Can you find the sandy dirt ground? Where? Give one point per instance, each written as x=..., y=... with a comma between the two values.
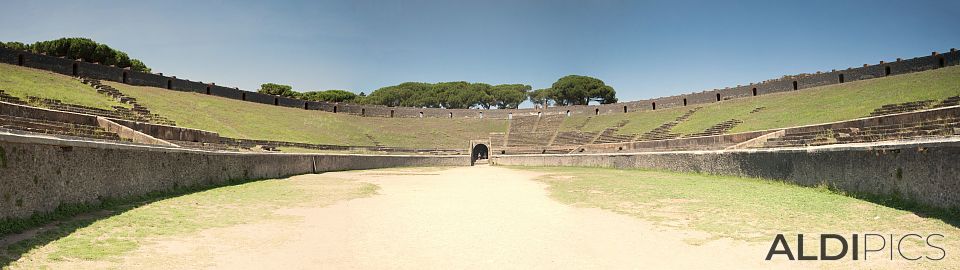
x=478, y=217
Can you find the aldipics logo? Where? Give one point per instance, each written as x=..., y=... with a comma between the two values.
x=863, y=247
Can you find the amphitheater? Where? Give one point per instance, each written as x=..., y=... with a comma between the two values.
x=104, y=167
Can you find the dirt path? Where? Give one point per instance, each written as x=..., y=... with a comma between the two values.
x=472, y=217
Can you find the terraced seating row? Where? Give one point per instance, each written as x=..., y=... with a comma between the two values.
x=56, y=128
x=902, y=107
x=523, y=124
x=550, y=123
x=717, y=129
x=573, y=138
x=928, y=128
x=663, y=131
x=950, y=101
x=497, y=139
x=609, y=135
x=529, y=139
x=10, y=99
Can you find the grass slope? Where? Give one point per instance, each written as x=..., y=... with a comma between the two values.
x=753, y=210
x=22, y=82
x=240, y=119
x=808, y=106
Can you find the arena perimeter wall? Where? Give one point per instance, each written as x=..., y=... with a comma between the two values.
x=925, y=173
x=37, y=175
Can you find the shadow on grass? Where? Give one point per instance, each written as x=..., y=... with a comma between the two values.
x=41, y=229
x=949, y=216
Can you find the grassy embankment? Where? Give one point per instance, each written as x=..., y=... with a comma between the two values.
x=22, y=82
x=808, y=106
x=240, y=119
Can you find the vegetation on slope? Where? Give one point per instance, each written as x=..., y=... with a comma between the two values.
x=22, y=82
x=241, y=119
x=808, y=106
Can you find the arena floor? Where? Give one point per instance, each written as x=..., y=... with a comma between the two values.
x=480, y=217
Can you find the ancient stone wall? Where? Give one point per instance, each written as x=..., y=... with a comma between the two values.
x=42, y=174
x=786, y=83
x=925, y=173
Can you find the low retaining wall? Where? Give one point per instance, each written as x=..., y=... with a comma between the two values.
x=40, y=174
x=926, y=173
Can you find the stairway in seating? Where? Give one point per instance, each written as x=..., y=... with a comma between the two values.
x=717, y=129
x=609, y=135
x=663, y=131
x=137, y=113
x=902, y=107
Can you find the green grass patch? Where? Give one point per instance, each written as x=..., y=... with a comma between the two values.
x=753, y=210
x=740, y=208
x=807, y=106
x=241, y=119
x=123, y=227
x=22, y=82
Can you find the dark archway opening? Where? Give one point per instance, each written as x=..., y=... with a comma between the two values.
x=334, y=109
x=169, y=84
x=363, y=111
x=305, y=106
x=718, y=96
x=596, y=111
x=75, y=71
x=276, y=101
x=243, y=96
x=624, y=109
x=943, y=62
x=653, y=105
x=794, y=86
x=684, y=102
x=479, y=152
x=391, y=113
x=124, y=79
x=841, y=78
x=886, y=71
x=20, y=60
x=208, y=89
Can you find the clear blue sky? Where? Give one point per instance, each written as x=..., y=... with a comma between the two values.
x=642, y=48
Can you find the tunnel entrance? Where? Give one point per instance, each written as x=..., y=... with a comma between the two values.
x=479, y=152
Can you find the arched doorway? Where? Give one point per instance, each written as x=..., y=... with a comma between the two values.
x=479, y=152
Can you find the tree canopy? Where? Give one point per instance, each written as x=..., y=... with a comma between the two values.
x=580, y=90
x=330, y=96
x=569, y=90
x=451, y=95
x=278, y=90
x=81, y=48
